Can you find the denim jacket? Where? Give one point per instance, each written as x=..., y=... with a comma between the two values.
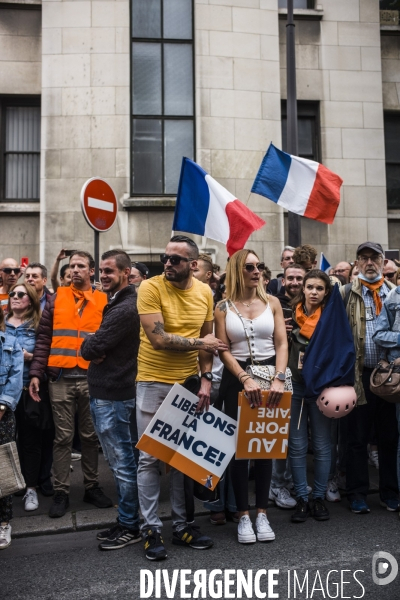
x=11, y=368
x=387, y=332
x=26, y=338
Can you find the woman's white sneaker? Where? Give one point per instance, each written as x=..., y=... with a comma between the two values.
x=31, y=500
x=5, y=535
x=246, y=533
x=264, y=529
x=332, y=493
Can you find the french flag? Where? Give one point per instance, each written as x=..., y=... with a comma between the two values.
x=303, y=186
x=205, y=207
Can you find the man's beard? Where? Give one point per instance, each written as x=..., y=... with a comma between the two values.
x=178, y=277
x=292, y=293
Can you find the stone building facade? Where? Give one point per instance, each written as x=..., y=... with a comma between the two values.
x=74, y=56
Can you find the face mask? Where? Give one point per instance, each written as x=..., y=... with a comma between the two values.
x=374, y=280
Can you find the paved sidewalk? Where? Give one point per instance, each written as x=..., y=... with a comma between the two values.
x=82, y=516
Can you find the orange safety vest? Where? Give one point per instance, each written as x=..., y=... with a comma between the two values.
x=70, y=329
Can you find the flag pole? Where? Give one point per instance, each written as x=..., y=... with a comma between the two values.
x=294, y=221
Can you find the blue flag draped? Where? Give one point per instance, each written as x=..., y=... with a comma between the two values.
x=330, y=356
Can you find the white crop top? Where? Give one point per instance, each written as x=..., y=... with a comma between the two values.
x=260, y=331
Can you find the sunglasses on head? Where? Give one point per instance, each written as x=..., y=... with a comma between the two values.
x=174, y=259
x=18, y=294
x=250, y=267
x=8, y=270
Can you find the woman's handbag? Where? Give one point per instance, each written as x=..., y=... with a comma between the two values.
x=11, y=479
x=264, y=375
x=385, y=380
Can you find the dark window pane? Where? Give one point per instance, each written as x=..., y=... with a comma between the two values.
x=296, y=4
x=393, y=185
x=147, y=158
x=178, y=143
x=178, y=19
x=306, y=135
x=392, y=138
x=146, y=18
x=305, y=131
x=23, y=128
x=22, y=176
x=22, y=171
x=178, y=82
x=146, y=65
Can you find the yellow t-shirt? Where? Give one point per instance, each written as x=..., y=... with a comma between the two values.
x=184, y=313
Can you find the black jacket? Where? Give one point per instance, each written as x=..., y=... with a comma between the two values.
x=118, y=339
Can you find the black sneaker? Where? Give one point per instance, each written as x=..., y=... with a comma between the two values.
x=319, y=510
x=192, y=536
x=95, y=495
x=154, y=545
x=121, y=537
x=60, y=505
x=105, y=535
x=301, y=512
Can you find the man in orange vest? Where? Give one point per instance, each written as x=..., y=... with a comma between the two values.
x=72, y=314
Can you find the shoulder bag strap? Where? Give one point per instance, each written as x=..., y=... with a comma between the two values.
x=230, y=303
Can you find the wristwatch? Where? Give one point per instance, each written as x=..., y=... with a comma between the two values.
x=208, y=375
x=281, y=376
x=3, y=407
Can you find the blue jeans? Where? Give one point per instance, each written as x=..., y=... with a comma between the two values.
x=226, y=500
x=298, y=444
x=111, y=420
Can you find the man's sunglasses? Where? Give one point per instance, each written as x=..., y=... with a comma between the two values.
x=250, y=267
x=18, y=294
x=174, y=259
x=8, y=271
x=390, y=275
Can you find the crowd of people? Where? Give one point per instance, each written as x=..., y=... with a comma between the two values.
x=87, y=363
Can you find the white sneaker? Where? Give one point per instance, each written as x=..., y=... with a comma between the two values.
x=246, y=533
x=263, y=528
x=5, y=535
x=282, y=497
x=332, y=492
x=76, y=456
x=373, y=458
x=31, y=500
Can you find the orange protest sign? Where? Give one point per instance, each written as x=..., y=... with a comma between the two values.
x=263, y=432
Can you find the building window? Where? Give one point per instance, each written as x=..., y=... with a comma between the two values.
x=20, y=148
x=297, y=3
x=392, y=156
x=308, y=129
x=162, y=94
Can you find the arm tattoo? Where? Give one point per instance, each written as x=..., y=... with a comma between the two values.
x=176, y=342
x=222, y=306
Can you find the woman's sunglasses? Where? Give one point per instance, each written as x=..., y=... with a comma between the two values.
x=18, y=294
x=250, y=267
x=174, y=259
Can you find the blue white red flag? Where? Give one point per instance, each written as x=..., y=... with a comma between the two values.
x=324, y=265
x=303, y=186
x=205, y=207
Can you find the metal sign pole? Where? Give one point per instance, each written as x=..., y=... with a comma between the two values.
x=294, y=221
x=96, y=254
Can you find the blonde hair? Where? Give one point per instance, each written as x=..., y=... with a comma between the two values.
x=32, y=313
x=234, y=277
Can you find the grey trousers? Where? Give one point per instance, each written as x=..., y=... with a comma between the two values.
x=149, y=397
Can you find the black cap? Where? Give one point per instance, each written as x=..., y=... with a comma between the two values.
x=141, y=267
x=374, y=246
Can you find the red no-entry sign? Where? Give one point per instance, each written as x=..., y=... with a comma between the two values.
x=99, y=204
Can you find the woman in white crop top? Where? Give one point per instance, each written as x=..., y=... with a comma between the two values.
x=266, y=339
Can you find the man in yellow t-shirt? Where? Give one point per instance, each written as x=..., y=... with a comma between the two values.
x=176, y=315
